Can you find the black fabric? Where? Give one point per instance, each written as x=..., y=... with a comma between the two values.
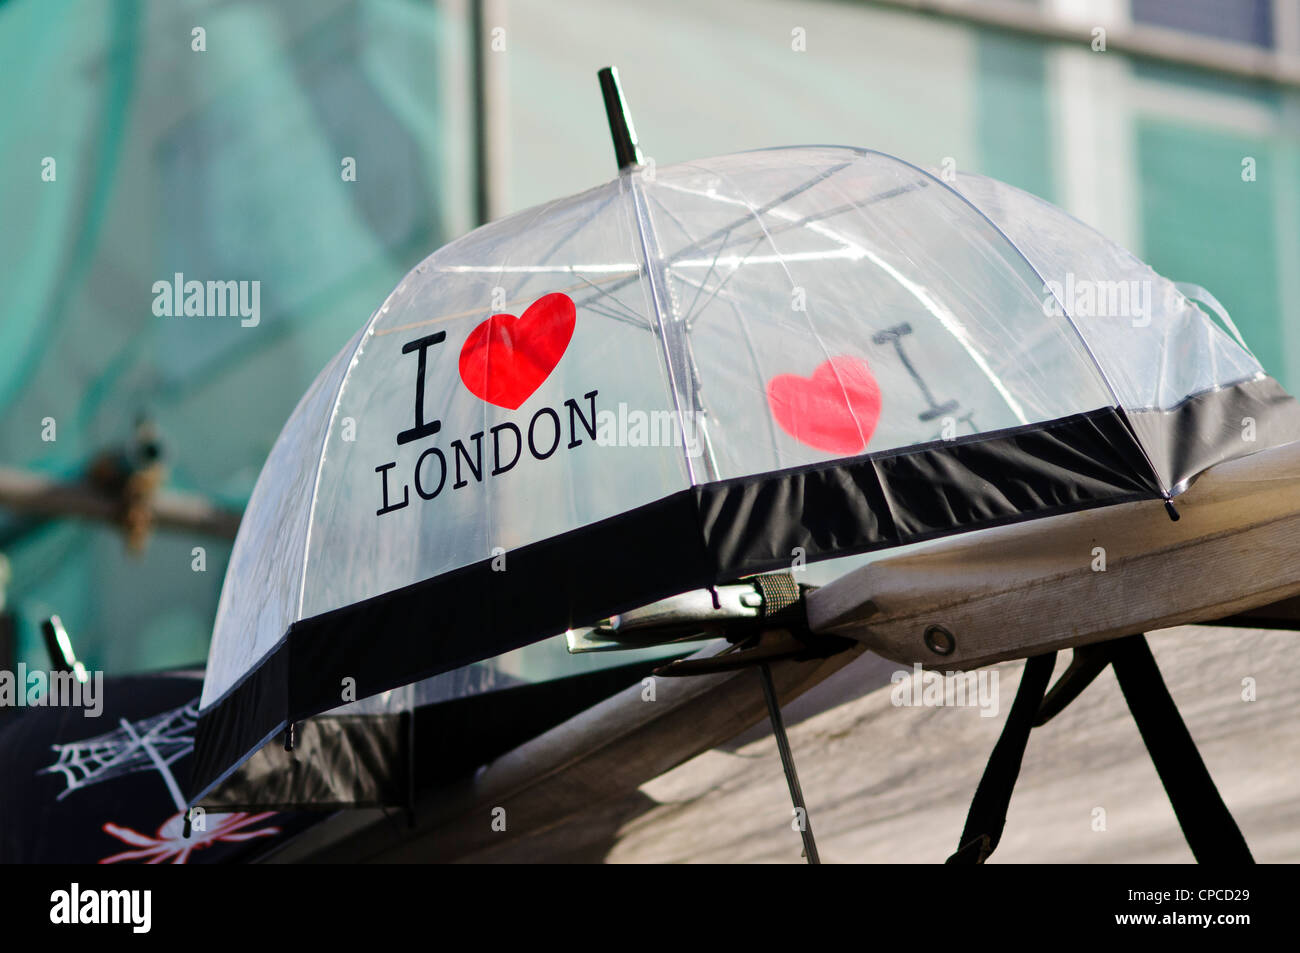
x=250, y=715
x=455, y=737
x=337, y=761
x=108, y=802
x=366, y=760
x=876, y=501
x=1209, y=428
x=1207, y=824
x=988, y=810
x=702, y=537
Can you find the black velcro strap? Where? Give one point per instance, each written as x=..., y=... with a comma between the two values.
x=1210, y=830
x=988, y=809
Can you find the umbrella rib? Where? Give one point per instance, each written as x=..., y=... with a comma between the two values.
x=758, y=369
x=667, y=211
x=756, y=213
x=666, y=319
x=632, y=317
x=721, y=284
x=949, y=321
x=397, y=329
x=579, y=227
x=612, y=315
x=335, y=400
x=753, y=212
x=781, y=200
x=686, y=317
x=691, y=311
x=677, y=258
x=1082, y=339
x=806, y=220
x=782, y=228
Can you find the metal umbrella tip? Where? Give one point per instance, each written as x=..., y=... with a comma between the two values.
x=626, y=150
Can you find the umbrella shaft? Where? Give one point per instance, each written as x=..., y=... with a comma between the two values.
x=787, y=762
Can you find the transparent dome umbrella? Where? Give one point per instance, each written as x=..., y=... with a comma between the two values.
x=688, y=375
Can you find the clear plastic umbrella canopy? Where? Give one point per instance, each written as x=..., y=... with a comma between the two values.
x=690, y=374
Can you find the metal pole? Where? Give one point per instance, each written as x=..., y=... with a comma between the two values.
x=626, y=150
x=488, y=102
x=410, y=765
x=678, y=350
x=478, y=68
x=787, y=762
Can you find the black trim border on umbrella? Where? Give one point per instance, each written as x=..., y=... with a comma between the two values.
x=713, y=534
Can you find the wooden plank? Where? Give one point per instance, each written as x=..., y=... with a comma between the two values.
x=40, y=495
x=1020, y=590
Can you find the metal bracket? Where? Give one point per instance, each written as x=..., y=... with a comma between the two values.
x=770, y=645
x=736, y=612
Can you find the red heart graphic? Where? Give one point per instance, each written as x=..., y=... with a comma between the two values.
x=835, y=410
x=505, y=359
